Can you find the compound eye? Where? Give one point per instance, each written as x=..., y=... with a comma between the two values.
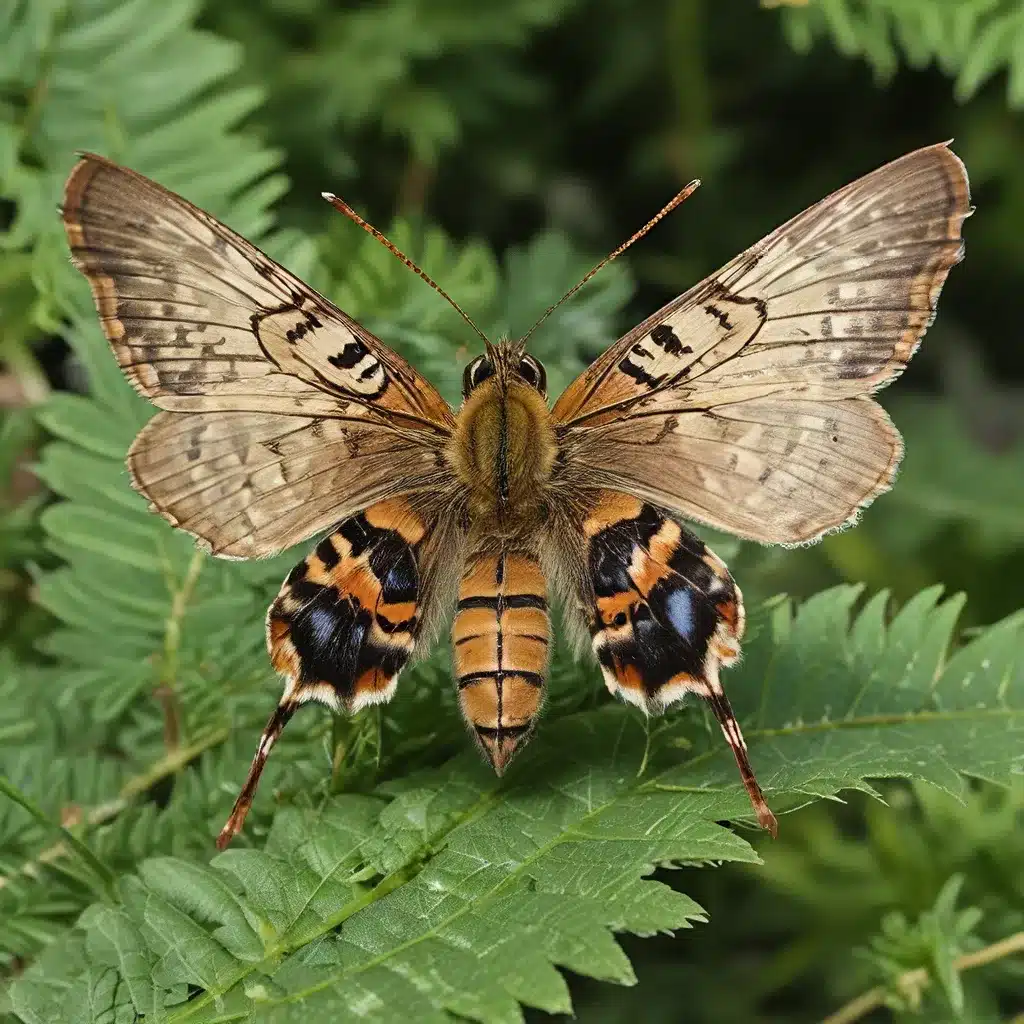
x=533, y=373
x=476, y=373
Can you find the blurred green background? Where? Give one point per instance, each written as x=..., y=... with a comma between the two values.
x=509, y=146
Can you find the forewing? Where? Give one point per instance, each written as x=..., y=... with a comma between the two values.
x=745, y=402
x=664, y=615
x=350, y=616
x=201, y=320
x=282, y=415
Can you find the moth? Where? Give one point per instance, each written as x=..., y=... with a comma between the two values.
x=745, y=404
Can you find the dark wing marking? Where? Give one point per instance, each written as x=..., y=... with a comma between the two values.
x=200, y=320
x=282, y=415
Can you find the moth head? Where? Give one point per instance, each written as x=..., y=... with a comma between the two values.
x=507, y=362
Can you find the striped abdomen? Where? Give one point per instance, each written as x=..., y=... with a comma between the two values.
x=500, y=639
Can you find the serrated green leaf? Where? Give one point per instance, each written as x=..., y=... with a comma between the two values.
x=541, y=868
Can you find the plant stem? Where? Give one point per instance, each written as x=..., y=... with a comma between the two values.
x=165, y=691
x=920, y=978
x=103, y=874
x=647, y=747
x=339, y=747
x=172, y=763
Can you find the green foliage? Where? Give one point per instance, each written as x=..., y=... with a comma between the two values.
x=390, y=67
x=969, y=40
x=933, y=942
x=385, y=873
x=449, y=890
x=947, y=477
x=911, y=845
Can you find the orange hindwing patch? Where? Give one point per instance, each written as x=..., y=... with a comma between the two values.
x=344, y=624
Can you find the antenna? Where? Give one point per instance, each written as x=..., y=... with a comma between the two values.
x=342, y=207
x=666, y=209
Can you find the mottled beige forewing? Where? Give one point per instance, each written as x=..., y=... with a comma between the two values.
x=744, y=403
x=282, y=414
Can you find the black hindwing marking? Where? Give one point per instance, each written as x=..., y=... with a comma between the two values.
x=663, y=628
x=343, y=614
x=327, y=553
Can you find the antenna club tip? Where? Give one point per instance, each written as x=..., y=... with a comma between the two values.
x=329, y=196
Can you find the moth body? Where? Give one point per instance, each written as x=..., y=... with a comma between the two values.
x=500, y=639
x=745, y=403
x=503, y=451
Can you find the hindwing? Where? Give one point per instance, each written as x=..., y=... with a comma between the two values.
x=347, y=617
x=664, y=615
x=347, y=620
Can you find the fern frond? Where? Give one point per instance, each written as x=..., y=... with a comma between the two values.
x=969, y=40
x=391, y=68
x=453, y=892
